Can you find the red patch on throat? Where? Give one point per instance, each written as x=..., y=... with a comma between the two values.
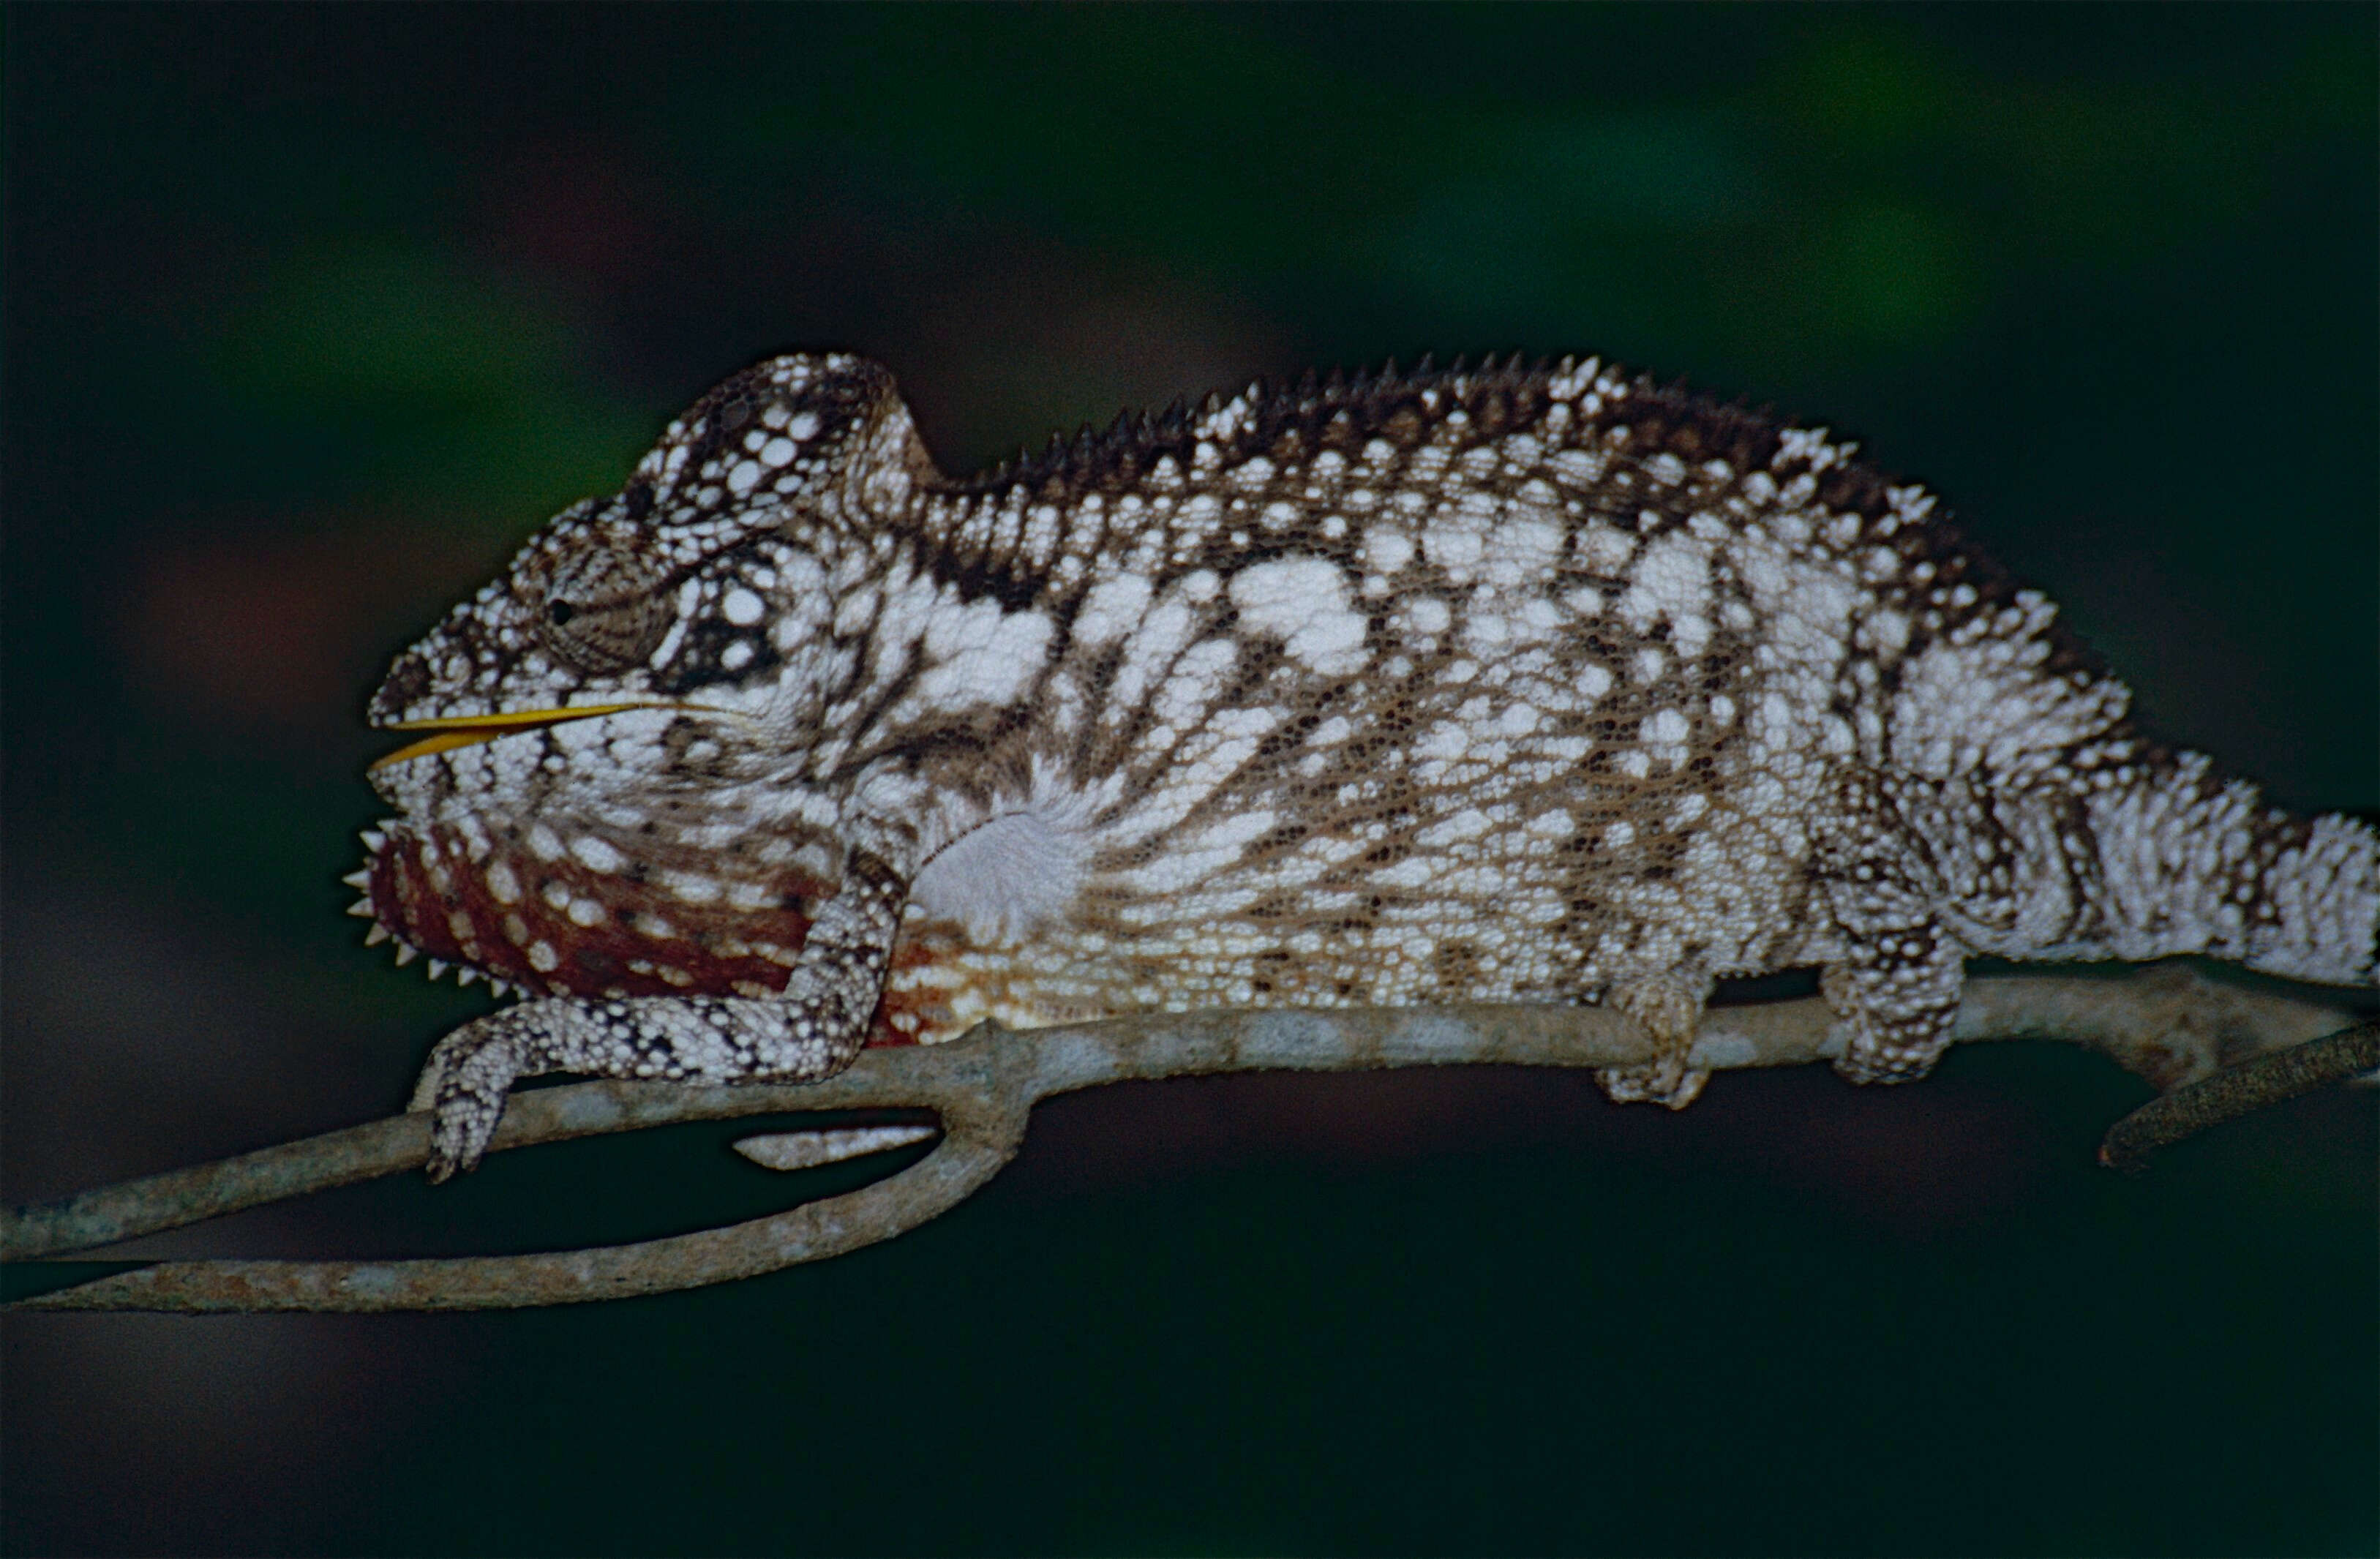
x=558, y=927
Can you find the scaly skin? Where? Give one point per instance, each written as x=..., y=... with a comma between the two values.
x=1518, y=683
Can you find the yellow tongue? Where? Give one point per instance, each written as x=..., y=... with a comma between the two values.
x=466, y=731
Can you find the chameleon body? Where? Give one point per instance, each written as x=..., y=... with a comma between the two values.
x=1520, y=683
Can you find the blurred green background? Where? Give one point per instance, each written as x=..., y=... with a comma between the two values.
x=312, y=313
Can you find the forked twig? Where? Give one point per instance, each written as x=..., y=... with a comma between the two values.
x=2167, y=1023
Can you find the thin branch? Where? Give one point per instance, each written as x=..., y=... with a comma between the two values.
x=2228, y=1095
x=2167, y=1023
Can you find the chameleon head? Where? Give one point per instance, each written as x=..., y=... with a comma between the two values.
x=610, y=782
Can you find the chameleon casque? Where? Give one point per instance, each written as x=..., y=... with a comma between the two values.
x=1535, y=683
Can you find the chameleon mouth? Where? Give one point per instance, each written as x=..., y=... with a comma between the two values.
x=469, y=730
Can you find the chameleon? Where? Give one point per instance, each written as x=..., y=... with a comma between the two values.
x=1513, y=681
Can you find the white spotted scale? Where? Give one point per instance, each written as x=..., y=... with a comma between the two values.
x=1537, y=683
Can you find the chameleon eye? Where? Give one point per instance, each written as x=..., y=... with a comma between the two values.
x=605, y=611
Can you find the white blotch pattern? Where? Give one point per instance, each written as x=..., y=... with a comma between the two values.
x=1542, y=684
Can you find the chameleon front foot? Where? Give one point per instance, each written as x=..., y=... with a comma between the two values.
x=468, y=1076
x=689, y=1040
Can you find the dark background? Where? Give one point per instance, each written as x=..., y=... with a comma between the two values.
x=311, y=314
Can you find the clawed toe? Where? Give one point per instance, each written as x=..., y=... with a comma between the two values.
x=1665, y=1082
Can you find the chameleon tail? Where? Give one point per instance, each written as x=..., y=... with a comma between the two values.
x=2192, y=862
